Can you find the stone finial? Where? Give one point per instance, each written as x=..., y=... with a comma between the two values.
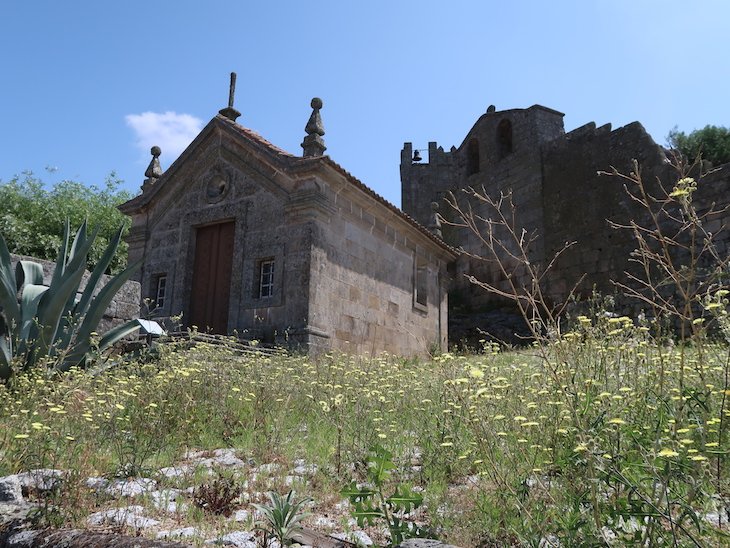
x=154, y=170
x=313, y=144
x=435, y=225
x=230, y=112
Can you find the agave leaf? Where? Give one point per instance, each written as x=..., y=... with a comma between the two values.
x=6, y=349
x=80, y=240
x=53, y=303
x=47, y=321
x=96, y=312
x=8, y=289
x=82, y=347
x=78, y=309
x=60, y=269
x=98, y=272
x=29, y=300
x=100, y=303
x=28, y=272
x=118, y=333
x=79, y=252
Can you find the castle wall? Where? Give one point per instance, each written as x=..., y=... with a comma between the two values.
x=582, y=202
x=560, y=199
x=502, y=153
x=579, y=203
x=713, y=194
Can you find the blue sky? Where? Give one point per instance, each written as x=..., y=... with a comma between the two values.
x=88, y=86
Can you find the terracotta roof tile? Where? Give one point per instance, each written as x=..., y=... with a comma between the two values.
x=254, y=136
x=398, y=211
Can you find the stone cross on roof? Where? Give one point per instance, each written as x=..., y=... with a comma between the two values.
x=230, y=112
x=313, y=144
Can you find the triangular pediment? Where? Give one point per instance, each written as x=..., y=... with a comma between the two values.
x=223, y=153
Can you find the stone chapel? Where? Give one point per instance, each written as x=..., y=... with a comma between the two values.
x=240, y=236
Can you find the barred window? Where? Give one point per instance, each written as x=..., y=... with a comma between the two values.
x=266, y=279
x=160, y=290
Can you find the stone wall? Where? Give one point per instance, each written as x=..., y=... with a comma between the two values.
x=124, y=305
x=364, y=267
x=583, y=204
x=579, y=202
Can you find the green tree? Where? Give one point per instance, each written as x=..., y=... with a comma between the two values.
x=33, y=217
x=712, y=142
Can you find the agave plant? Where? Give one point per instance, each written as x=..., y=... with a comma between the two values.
x=39, y=322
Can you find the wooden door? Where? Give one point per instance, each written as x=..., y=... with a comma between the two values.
x=211, y=287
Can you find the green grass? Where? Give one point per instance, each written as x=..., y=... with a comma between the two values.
x=571, y=439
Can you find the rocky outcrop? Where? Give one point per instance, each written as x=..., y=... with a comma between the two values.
x=153, y=510
x=16, y=536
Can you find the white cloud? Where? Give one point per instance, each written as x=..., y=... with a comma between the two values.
x=171, y=131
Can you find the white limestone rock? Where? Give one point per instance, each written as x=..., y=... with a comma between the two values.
x=241, y=515
x=97, y=483
x=22, y=538
x=228, y=461
x=357, y=537
x=323, y=522
x=12, y=511
x=301, y=468
x=167, y=500
x=11, y=490
x=176, y=471
x=267, y=469
x=424, y=543
x=41, y=479
x=239, y=539
x=184, y=532
x=132, y=516
x=131, y=487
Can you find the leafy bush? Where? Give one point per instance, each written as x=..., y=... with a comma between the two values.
x=219, y=496
x=371, y=504
x=49, y=322
x=712, y=142
x=32, y=218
